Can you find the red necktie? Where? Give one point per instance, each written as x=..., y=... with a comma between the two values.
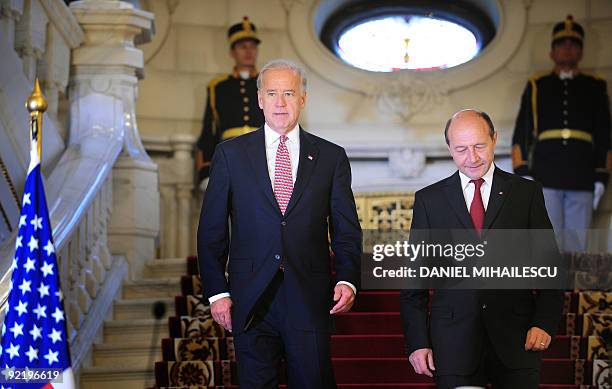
x=283, y=181
x=477, y=210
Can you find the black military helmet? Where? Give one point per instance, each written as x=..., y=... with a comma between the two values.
x=242, y=31
x=568, y=29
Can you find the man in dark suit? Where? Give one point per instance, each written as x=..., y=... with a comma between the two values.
x=472, y=337
x=285, y=191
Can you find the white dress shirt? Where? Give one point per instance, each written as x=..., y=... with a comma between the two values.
x=566, y=75
x=293, y=146
x=485, y=189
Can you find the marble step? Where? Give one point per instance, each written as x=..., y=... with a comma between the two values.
x=152, y=287
x=134, y=355
x=165, y=268
x=131, y=331
x=141, y=308
x=117, y=377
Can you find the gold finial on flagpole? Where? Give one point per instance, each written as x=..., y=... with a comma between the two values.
x=36, y=104
x=36, y=101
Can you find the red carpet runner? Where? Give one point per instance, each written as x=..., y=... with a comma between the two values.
x=368, y=347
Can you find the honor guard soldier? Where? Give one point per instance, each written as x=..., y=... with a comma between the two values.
x=562, y=136
x=231, y=107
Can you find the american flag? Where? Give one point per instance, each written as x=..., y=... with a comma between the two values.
x=34, y=329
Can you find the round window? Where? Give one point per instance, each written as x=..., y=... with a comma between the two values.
x=399, y=35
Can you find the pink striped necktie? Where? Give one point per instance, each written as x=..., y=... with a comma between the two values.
x=283, y=181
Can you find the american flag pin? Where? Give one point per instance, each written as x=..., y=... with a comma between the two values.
x=310, y=157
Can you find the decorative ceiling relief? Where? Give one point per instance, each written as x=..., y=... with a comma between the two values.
x=407, y=162
x=405, y=94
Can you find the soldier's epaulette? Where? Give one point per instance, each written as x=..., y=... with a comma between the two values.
x=539, y=75
x=212, y=96
x=213, y=83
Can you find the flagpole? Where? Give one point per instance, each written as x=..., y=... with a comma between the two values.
x=34, y=333
x=36, y=104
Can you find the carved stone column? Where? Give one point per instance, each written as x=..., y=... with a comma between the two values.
x=30, y=36
x=183, y=165
x=10, y=13
x=63, y=34
x=168, y=220
x=103, y=92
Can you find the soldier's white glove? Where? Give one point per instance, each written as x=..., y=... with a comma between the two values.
x=598, y=193
x=204, y=184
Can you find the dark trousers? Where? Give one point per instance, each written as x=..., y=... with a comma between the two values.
x=270, y=338
x=492, y=370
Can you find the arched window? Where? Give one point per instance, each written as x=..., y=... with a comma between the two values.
x=394, y=35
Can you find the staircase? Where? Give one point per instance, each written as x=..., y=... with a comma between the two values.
x=367, y=349
x=125, y=357
x=93, y=82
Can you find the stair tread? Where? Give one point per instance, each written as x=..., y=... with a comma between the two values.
x=342, y=359
x=124, y=322
x=123, y=345
x=116, y=369
x=149, y=300
x=372, y=313
x=166, y=261
x=368, y=336
x=154, y=281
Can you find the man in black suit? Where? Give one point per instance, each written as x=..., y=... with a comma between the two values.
x=285, y=191
x=472, y=337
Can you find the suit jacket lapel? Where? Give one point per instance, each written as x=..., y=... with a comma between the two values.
x=256, y=151
x=306, y=164
x=454, y=194
x=499, y=192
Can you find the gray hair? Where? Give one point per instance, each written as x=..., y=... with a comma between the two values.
x=282, y=64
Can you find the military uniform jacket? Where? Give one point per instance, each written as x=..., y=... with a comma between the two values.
x=231, y=110
x=562, y=132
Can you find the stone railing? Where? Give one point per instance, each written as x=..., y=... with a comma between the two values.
x=96, y=165
x=179, y=198
x=36, y=37
x=89, y=274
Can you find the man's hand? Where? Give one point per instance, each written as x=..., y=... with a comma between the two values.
x=598, y=193
x=221, y=311
x=422, y=361
x=345, y=298
x=537, y=339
